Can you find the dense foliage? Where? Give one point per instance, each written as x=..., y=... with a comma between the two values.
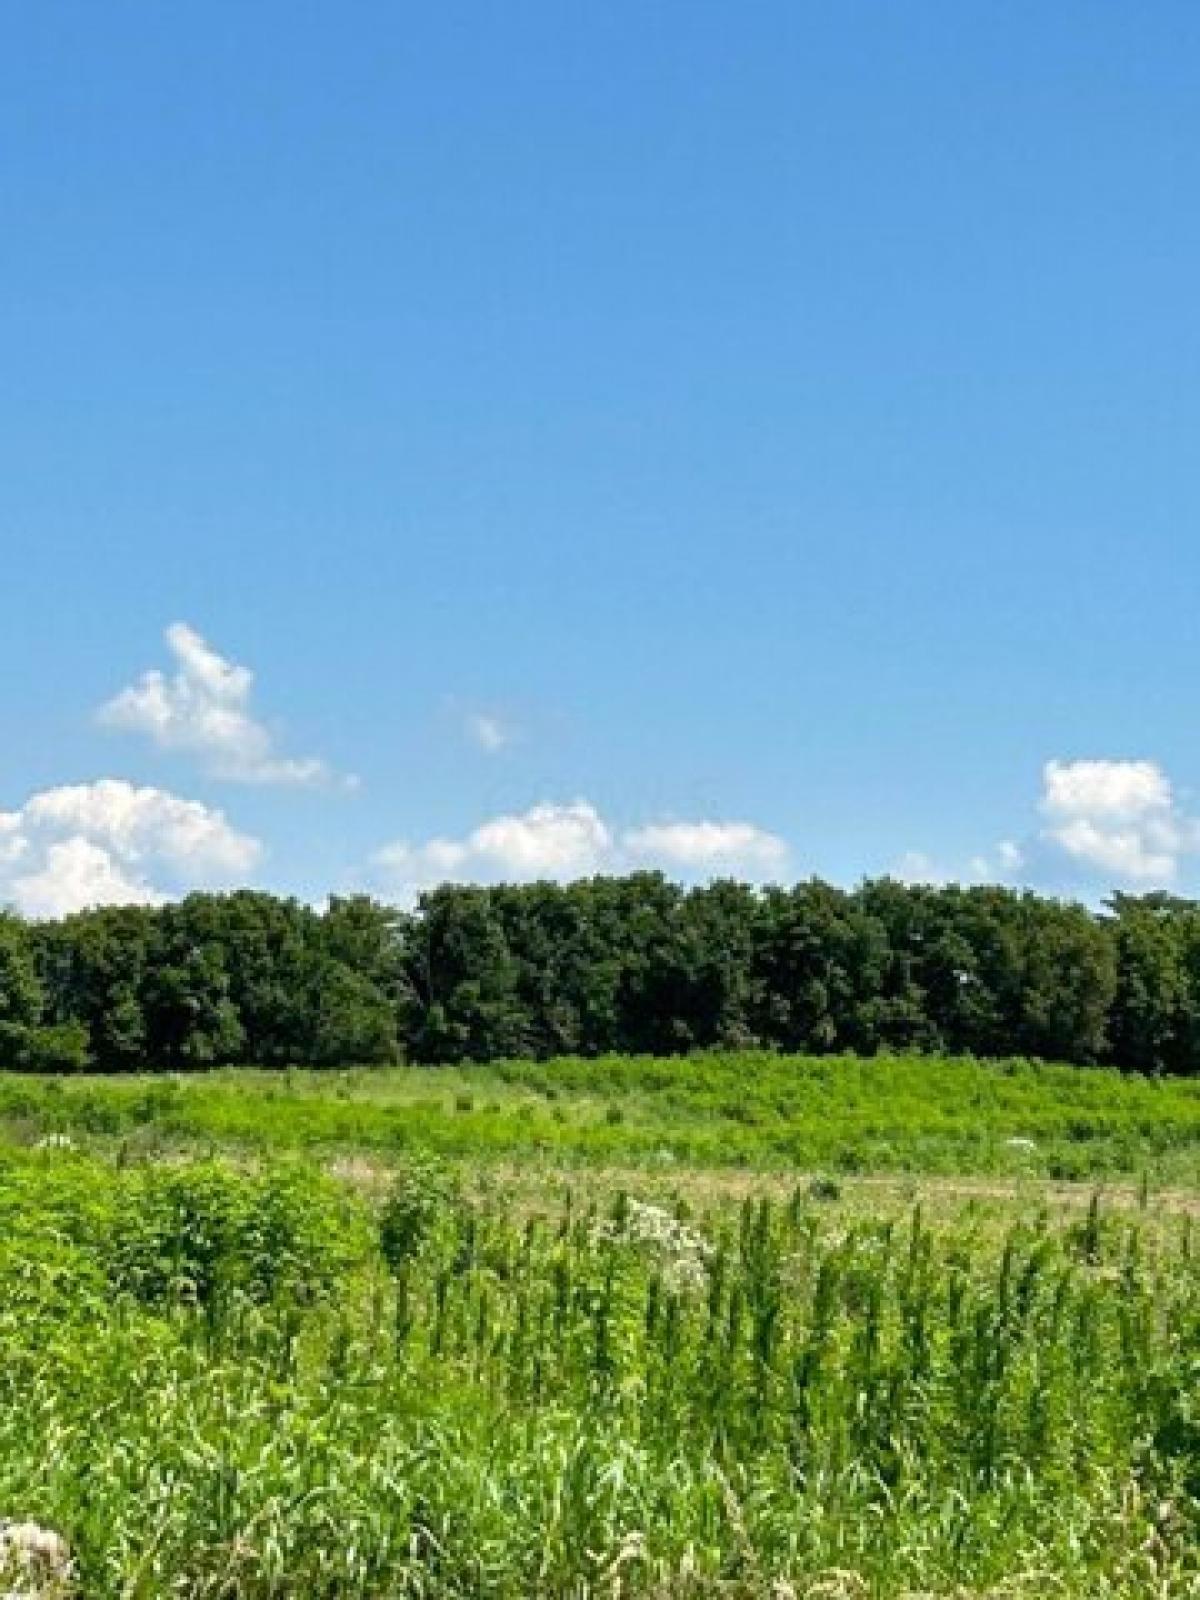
x=246, y=1385
x=633, y=964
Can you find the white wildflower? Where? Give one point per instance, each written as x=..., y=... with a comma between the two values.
x=35, y=1558
x=680, y=1252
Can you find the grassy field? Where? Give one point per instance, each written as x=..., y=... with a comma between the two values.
x=733, y=1327
x=752, y=1111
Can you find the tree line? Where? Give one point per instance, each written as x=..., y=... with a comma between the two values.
x=625, y=964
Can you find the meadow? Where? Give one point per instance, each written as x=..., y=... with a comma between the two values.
x=737, y=1326
x=752, y=1110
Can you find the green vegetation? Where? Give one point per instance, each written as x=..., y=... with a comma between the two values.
x=757, y=1111
x=624, y=1328
x=258, y=1381
x=631, y=965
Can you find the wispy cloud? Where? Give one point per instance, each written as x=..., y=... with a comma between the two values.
x=489, y=731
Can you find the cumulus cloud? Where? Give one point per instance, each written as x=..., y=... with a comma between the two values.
x=1103, y=822
x=13, y=843
x=548, y=841
x=1135, y=854
x=136, y=823
x=203, y=708
x=707, y=846
x=74, y=875
x=1117, y=817
x=110, y=842
x=574, y=841
x=1118, y=790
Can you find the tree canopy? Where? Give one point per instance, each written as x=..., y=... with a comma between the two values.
x=633, y=963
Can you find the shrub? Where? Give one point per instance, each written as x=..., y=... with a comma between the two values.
x=201, y=1232
x=62, y=1047
x=423, y=1192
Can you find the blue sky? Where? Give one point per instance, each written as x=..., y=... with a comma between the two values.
x=752, y=438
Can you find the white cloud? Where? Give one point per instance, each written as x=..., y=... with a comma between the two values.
x=136, y=823
x=1117, y=817
x=551, y=841
x=110, y=842
x=574, y=841
x=203, y=708
x=1000, y=866
x=13, y=843
x=490, y=732
x=1133, y=854
x=547, y=841
x=1004, y=863
x=1120, y=790
x=74, y=875
x=1118, y=822
x=732, y=846
x=1009, y=856
x=915, y=867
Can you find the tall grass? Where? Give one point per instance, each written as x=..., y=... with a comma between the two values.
x=226, y=1383
x=897, y=1114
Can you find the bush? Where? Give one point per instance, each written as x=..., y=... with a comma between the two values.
x=423, y=1192
x=200, y=1232
x=60, y=1048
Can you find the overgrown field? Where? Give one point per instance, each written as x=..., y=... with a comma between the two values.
x=614, y=1329
x=261, y=1381
x=753, y=1110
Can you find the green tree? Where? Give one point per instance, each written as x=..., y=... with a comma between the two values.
x=464, y=980
x=20, y=989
